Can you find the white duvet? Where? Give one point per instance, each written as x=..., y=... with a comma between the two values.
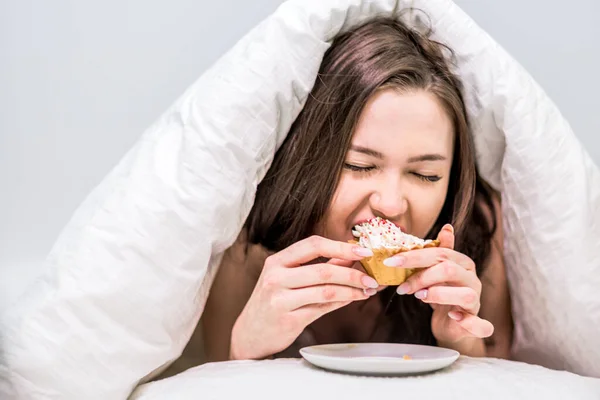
x=127, y=280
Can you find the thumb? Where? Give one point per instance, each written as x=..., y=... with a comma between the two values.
x=446, y=237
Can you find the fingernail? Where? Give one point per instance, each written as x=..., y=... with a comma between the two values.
x=394, y=261
x=403, y=289
x=421, y=294
x=362, y=251
x=455, y=315
x=450, y=228
x=369, y=282
x=369, y=292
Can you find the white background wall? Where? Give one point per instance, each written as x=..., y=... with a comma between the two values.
x=81, y=80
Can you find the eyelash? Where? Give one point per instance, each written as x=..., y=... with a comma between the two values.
x=428, y=178
x=356, y=168
x=425, y=178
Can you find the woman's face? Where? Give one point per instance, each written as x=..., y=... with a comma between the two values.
x=397, y=167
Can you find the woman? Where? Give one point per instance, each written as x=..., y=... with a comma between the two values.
x=384, y=133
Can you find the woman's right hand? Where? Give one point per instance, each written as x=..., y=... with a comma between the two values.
x=290, y=295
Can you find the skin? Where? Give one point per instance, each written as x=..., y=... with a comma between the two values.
x=397, y=168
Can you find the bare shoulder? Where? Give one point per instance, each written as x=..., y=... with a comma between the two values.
x=495, y=296
x=233, y=284
x=495, y=262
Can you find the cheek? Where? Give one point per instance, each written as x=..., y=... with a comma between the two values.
x=425, y=209
x=344, y=205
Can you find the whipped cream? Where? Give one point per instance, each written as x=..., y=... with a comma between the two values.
x=378, y=232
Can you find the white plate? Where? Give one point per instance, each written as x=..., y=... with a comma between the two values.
x=379, y=358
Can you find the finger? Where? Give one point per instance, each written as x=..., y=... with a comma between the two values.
x=382, y=287
x=446, y=236
x=447, y=272
x=428, y=257
x=297, y=298
x=321, y=274
x=316, y=246
x=341, y=263
x=463, y=297
x=310, y=313
x=476, y=326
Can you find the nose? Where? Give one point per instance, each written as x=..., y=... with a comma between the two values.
x=388, y=200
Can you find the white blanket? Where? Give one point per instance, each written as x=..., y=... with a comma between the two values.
x=293, y=379
x=127, y=281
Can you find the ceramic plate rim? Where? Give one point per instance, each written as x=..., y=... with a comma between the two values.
x=365, y=361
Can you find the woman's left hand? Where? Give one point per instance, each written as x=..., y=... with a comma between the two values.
x=448, y=282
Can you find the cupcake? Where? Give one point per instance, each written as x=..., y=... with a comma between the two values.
x=385, y=240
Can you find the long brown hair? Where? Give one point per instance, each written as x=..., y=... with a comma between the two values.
x=298, y=188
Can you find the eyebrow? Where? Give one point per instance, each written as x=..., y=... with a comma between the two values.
x=427, y=157
x=367, y=151
x=415, y=159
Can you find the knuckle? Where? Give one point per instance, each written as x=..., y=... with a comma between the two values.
x=478, y=286
x=324, y=273
x=314, y=242
x=276, y=301
x=441, y=254
x=328, y=293
x=355, y=276
x=471, y=264
x=341, y=248
x=450, y=270
x=470, y=298
x=270, y=281
x=419, y=279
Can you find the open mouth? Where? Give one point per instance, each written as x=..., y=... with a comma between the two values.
x=365, y=220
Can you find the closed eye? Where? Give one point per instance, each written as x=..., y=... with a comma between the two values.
x=357, y=168
x=427, y=178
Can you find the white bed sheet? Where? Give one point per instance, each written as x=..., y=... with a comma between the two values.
x=289, y=379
